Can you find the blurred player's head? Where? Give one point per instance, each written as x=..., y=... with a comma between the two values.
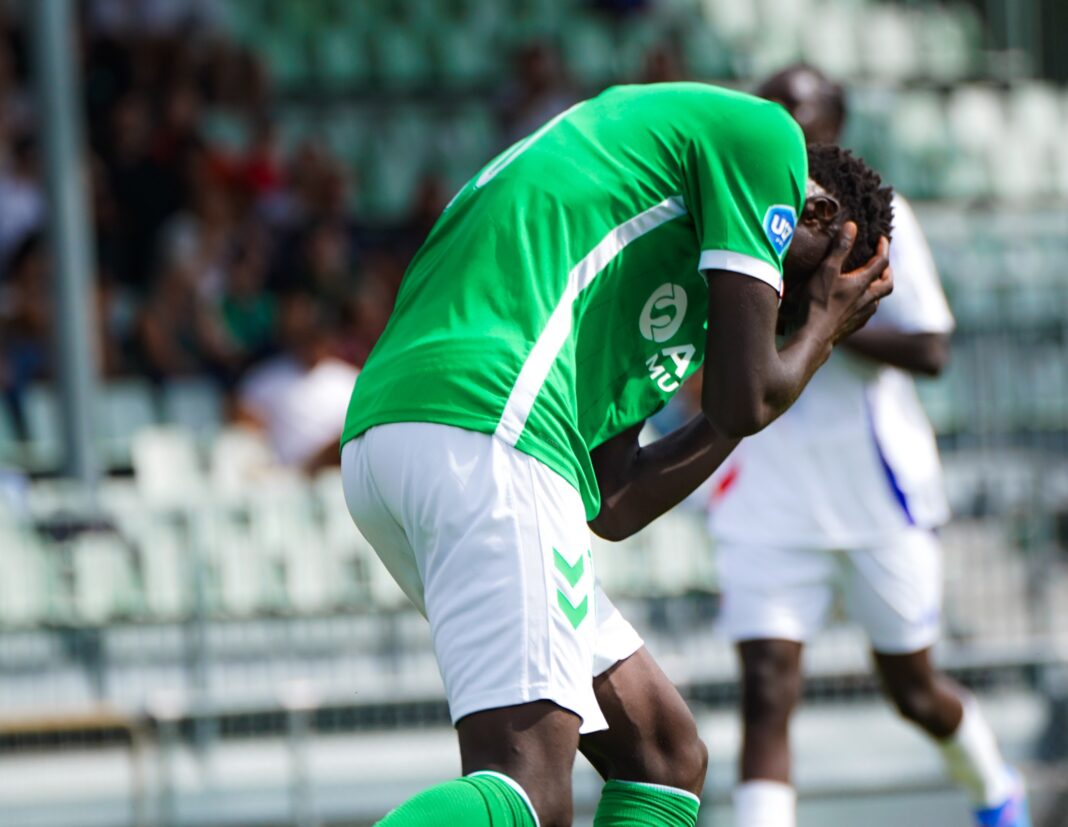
x=841, y=188
x=815, y=101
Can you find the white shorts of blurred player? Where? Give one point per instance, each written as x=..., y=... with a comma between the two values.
x=493, y=548
x=893, y=591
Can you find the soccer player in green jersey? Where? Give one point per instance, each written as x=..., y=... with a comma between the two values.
x=562, y=298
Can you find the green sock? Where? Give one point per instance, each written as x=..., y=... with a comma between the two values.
x=633, y=804
x=482, y=799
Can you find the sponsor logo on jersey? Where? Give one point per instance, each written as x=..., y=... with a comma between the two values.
x=663, y=313
x=779, y=224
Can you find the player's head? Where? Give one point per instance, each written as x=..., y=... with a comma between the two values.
x=816, y=102
x=841, y=188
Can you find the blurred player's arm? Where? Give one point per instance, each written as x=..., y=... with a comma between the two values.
x=747, y=381
x=924, y=353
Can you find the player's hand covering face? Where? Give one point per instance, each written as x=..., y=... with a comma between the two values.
x=845, y=301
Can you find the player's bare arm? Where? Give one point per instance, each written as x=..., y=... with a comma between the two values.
x=639, y=483
x=756, y=383
x=747, y=381
x=922, y=353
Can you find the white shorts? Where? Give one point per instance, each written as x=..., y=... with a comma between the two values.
x=893, y=591
x=493, y=548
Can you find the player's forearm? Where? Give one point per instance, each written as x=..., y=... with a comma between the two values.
x=645, y=482
x=926, y=353
x=742, y=402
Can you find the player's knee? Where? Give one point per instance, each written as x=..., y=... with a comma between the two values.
x=672, y=754
x=771, y=690
x=682, y=759
x=916, y=701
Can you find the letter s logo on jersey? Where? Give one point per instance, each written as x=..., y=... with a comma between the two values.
x=779, y=224
x=663, y=313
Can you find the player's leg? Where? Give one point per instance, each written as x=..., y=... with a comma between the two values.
x=490, y=547
x=773, y=600
x=895, y=591
x=651, y=757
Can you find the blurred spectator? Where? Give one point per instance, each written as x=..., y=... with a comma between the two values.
x=25, y=323
x=21, y=198
x=539, y=92
x=662, y=64
x=299, y=398
x=179, y=331
x=248, y=311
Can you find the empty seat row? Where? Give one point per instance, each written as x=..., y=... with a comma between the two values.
x=123, y=407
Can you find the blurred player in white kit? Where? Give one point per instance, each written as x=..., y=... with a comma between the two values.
x=844, y=491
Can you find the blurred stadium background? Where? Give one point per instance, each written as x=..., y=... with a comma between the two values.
x=198, y=636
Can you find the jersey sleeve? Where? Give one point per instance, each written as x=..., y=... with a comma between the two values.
x=917, y=304
x=744, y=185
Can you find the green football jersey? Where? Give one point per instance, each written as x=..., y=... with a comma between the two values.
x=559, y=299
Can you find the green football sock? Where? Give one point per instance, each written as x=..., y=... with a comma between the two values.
x=634, y=804
x=482, y=799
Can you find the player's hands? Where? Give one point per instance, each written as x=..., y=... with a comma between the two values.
x=841, y=303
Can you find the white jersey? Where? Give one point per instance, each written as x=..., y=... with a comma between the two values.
x=854, y=460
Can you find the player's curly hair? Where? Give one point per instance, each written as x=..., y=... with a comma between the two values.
x=859, y=190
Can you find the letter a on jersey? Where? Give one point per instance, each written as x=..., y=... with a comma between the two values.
x=779, y=224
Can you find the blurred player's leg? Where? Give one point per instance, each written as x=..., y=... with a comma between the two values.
x=771, y=689
x=650, y=756
x=896, y=593
x=774, y=599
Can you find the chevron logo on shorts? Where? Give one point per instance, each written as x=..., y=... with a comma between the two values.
x=572, y=574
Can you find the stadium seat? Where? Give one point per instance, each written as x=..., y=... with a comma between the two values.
x=25, y=590
x=735, y=20
x=166, y=467
x=45, y=447
x=194, y=404
x=589, y=51
x=239, y=457
x=287, y=54
x=706, y=54
x=124, y=407
x=949, y=42
x=464, y=58
x=400, y=58
x=104, y=584
x=164, y=566
x=886, y=37
x=832, y=25
x=11, y=449
x=342, y=60
x=976, y=116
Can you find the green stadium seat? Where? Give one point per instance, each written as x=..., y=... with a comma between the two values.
x=41, y=408
x=837, y=26
x=104, y=582
x=239, y=457
x=11, y=449
x=976, y=116
x=195, y=404
x=166, y=467
x=464, y=58
x=886, y=36
x=343, y=60
x=400, y=58
x=736, y=21
x=124, y=407
x=24, y=580
x=589, y=52
x=288, y=58
x=706, y=54
x=949, y=43
x=389, y=175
